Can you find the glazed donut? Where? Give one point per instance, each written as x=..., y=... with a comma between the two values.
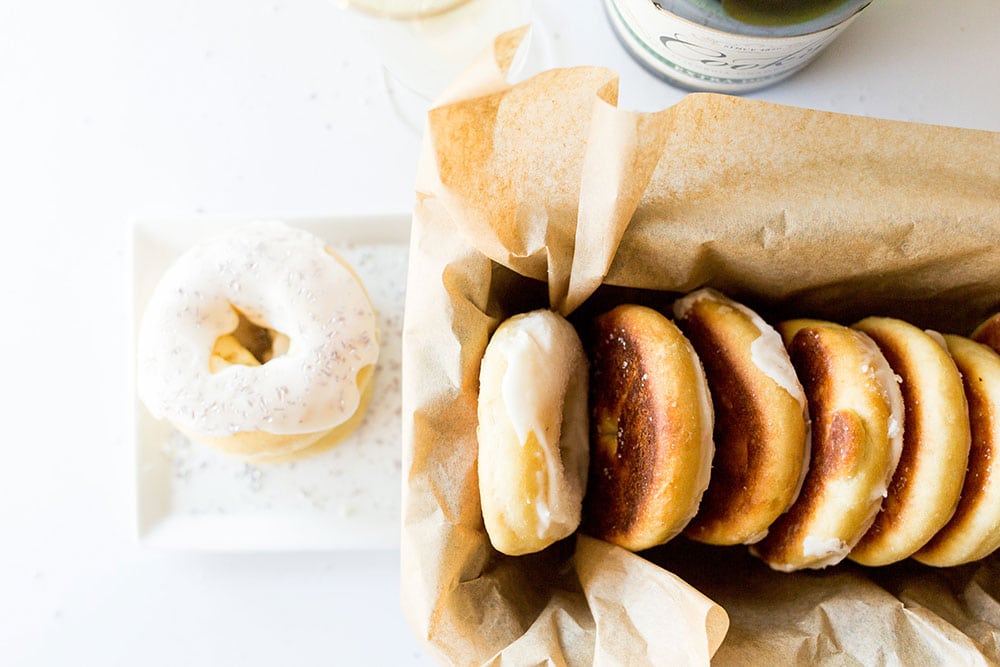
x=857, y=427
x=532, y=432
x=260, y=343
x=973, y=532
x=928, y=481
x=761, y=419
x=651, y=429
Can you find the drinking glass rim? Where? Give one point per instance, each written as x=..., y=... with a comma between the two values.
x=379, y=9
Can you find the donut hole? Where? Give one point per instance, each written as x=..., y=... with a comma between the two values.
x=249, y=344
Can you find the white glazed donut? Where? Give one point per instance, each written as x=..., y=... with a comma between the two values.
x=533, y=442
x=280, y=282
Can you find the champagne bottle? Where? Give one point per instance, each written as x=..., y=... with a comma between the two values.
x=728, y=46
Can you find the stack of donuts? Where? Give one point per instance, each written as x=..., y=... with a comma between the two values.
x=809, y=441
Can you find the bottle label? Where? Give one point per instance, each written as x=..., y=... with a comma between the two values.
x=702, y=58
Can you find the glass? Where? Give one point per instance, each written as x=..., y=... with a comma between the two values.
x=425, y=44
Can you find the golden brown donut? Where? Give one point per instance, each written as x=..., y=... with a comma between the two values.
x=651, y=429
x=928, y=481
x=988, y=333
x=974, y=530
x=761, y=420
x=857, y=426
x=533, y=447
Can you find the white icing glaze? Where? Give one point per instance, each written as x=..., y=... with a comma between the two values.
x=767, y=353
x=534, y=376
x=278, y=277
x=826, y=550
x=527, y=379
x=683, y=306
x=544, y=516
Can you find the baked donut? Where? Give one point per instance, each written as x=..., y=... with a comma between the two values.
x=532, y=432
x=857, y=426
x=973, y=532
x=650, y=429
x=261, y=343
x=925, y=488
x=988, y=333
x=761, y=420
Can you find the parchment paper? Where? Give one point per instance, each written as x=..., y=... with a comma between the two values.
x=544, y=193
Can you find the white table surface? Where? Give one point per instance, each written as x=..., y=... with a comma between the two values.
x=118, y=109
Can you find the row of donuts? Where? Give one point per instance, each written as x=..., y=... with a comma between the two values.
x=809, y=441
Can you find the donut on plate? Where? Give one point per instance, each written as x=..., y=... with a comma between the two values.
x=857, y=426
x=761, y=419
x=973, y=532
x=650, y=426
x=928, y=481
x=532, y=432
x=261, y=343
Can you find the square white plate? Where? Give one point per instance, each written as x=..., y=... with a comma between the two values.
x=348, y=497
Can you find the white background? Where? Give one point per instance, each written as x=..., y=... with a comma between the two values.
x=117, y=109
